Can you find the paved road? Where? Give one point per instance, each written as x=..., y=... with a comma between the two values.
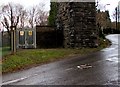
x=101, y=69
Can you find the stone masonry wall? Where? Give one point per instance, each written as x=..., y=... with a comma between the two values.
x=78, y=21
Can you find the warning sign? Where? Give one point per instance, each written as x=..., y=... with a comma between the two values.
x=30, y=33
x=21, y=33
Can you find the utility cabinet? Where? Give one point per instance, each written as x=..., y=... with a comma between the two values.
x=26, y=38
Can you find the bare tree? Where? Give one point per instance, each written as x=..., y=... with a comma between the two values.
x=16, y=15
x=23, y=18
x=116, y=17
x=41, y=18
x=10, y=15
x=116, y=13
x=31, y=16
x=42, y=15
x=37, y=15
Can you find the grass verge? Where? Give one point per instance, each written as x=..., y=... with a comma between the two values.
x=5, y=51
x=28, y=58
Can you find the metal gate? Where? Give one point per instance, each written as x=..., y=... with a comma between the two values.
x=26, y=38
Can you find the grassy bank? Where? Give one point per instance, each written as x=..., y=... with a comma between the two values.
x=28, y=58
x=5, y=51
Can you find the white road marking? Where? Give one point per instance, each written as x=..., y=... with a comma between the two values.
x=17, y=80
x=69, y=69
x=13, y=81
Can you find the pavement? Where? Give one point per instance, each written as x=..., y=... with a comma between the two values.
x=99, y=68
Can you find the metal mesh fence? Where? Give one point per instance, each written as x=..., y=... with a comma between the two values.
x=5, y=43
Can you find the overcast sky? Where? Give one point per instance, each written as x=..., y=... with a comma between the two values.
x=28, y=3
x=111, y=7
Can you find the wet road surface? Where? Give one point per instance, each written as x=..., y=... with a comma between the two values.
x=100, y=68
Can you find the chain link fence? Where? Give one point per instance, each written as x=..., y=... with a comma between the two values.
x=5, y=43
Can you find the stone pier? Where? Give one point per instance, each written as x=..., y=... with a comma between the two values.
x=78, y=21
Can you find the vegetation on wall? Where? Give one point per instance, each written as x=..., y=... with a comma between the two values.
x=52, y=14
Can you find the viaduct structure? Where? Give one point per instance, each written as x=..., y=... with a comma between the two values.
x=78, y=22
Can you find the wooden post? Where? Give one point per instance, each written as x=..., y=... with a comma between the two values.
x=14, y=32
x=13, y=39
